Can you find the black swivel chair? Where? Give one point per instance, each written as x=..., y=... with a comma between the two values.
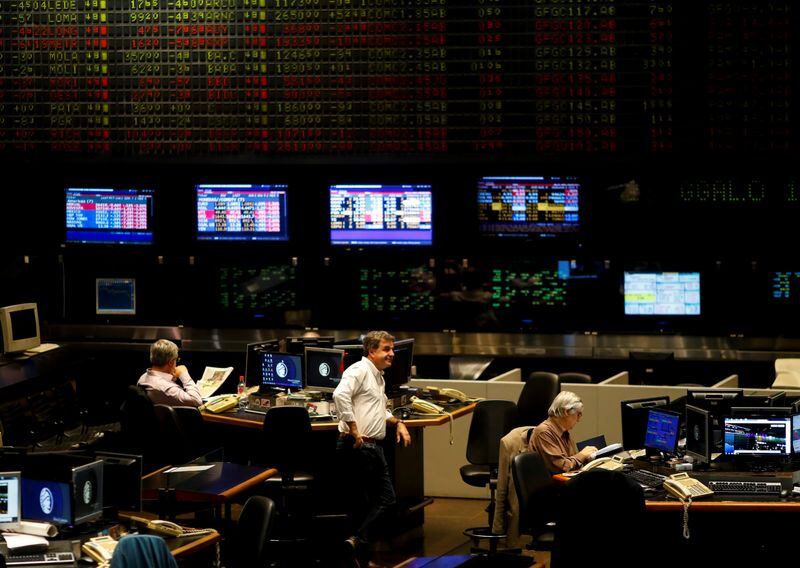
x=169, y=429
x=195, y=435
x=252, y=535
x=536, y=397
x=139, y=429
x=491, y=420
x=537, y=494
x=573, y=378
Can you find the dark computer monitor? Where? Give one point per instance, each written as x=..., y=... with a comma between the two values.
x=400, y=371
x=661, y=430
x=281, y=371
x=662, y=293
x=252, y=362
x=352, y=353
x=109, y=216
x=87, y=486
x=297, y=344
x=115, y=296
x=19, y=326
x=718, y=402
x=243, y=212
x=634, y=419
x=758, y=437
x=758, y=411
x=381, y=214
x=122, y=480
x=698, y=434
x=651, y=367
x=324, y=368
x=773, y=399
x=10, y=499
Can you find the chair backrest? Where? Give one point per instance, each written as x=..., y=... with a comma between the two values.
x=600, y=509
x=174, y=441
x=491, y=420
x=193, y=430
x=137, y=550
x=468, y=368
x=536, y=492
x=255, y=526
x=286, y=437
x=787, y=374
x=137, y=414
x=536, y=397
x=572, y=378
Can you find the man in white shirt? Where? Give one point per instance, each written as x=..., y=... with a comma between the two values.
x=165, y=381
x=361, y=403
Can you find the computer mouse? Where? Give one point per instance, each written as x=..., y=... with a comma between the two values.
x=785, y=493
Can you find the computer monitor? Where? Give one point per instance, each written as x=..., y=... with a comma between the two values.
x=297, y=344
x=252, y=362
x=227, y=212
x=47, y=500
x=324, y=368
x=718, y=403
x=662, y=293
x=381, y=214
x=10, y=500
x=634, y=419
x=796, y=433
x=651, y=367
x=115, y=296
x=280, y=370
x=758, y=437
x=19, y=325
x=698, y=434
x=769, y=400
x=528, y=206
x=87, y=487
x=352, y=353
x=122, y=480
x=761, y=411
x=109, y=216
x=400, y=371
x=661, y=430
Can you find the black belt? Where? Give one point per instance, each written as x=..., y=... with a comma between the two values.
x=365, y=439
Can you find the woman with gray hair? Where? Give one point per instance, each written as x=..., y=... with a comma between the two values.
x=551, y=438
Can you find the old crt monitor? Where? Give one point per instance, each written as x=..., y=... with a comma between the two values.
x=661, y=431
x=19, y=325
x=634, y=419
x=381, y=214
x=324, y=368
x=227, y=212
x=115, y=296
x=297, y=344
x=698, y=434
x=10, y=500
x=109, y=216
x=758, y=437
x=280, y=371
x=400, y=371
x=528, y=206
x=662, y=293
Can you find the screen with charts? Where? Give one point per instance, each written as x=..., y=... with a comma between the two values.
x=280, y=370
x=662, y=293
x=9, y=499
x=109, y=216
x=757, y=436
x=661, y=432
x=115, y=296
x=523, y=206
x=381, y=214
x=242, y=213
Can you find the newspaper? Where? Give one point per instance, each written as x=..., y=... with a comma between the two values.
x=213, y=377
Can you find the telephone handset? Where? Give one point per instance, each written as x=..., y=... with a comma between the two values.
x=168, y=528
x=223, y=403
x=681, y=486
x=612, y=463
x=425, y=406
x=447, y=393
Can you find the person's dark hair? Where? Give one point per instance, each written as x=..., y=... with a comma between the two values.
x=373, y=339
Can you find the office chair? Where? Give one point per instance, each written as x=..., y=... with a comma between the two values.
x=137, y=550
x=537, y=494
x=491, y=420
x=139, y=428
x=253, y=532
x=170, y=431
x=536, y=397
x=468, y=368
x=573, y=378
x=600, y=509
x=194, y=434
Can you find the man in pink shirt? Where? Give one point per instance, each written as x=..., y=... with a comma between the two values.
x=165, y=381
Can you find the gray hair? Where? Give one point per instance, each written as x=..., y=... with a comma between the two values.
x=373, y=339
x=564, y=404
x=162, y=352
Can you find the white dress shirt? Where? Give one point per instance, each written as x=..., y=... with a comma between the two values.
x=162, y=389
x=360, y=398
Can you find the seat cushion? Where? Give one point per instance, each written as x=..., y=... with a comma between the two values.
x=476, y=475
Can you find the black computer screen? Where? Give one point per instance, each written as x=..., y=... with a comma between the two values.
x=297, y=344
x=698, y=433
x=400, y=370
x=279, y=370
x=23, y=324
x=323, y=368
x=634, y=419
x=661, y=431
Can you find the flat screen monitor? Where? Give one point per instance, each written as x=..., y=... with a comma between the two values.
x=252, y=362
x=352, y=353
x=122, y=480
x=773, y=399
x=297, y=345
x=324, y=368
x=400, y=371
x=381, y=214
x=796, y=433
x=698, y=433
x=279, y=370
x=662, y=293
x=242, y=213
x=109, y=216
x=48, y=501
x=634, y=419
x=661, y=430
x=10, y=500
x=651, y=367
x=19, y=325
x=528, y=206
x=758, y=436
x=87, y=487
x=115, y=296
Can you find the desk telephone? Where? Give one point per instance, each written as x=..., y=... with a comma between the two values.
x=447, y=393
x=168, y=528
x=425, y=406
x=681, y=486
x=222, y=403
x=612, y=463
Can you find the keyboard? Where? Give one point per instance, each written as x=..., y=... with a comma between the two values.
x=44, y=558
x=746, y=487
x=645, y=478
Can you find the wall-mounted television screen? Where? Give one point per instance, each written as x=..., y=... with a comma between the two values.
x=242, y=213
x=109, y=216
x=662, y=293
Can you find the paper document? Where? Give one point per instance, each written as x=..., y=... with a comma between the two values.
x=212, y=379
x=36, y=528
x=15, y=541
x=608, y=450
x=186, y=468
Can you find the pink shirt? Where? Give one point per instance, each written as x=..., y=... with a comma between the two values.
x=163, y=389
